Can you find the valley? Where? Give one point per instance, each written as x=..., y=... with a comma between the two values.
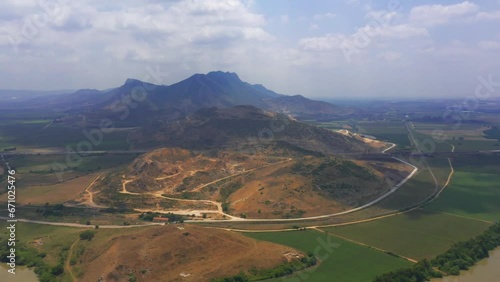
x=309, y=193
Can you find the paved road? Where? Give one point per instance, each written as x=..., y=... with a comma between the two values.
x=81, y=225
x=394, y=189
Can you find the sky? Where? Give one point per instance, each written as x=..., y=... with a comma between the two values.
x=322, y=48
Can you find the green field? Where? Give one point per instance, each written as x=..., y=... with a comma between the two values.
x=440, y=168
x=471, y=194
x=475, y=145
x=444, y=126
x=52, y=241
x=392, y=131
x=467, y=137
x=416, y=190
x=32, y=133
x=481, y=163
x=418, y=234
x=344, y=262
x=492, y=133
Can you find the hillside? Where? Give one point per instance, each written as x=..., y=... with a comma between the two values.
x=245, y=128
x=274, y=182
x=175, y=253
x=214, y=89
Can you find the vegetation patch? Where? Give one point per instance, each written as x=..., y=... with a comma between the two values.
x=285, y=269
x=338, y=258
x=471, y=194
x=149, y=216
x=460, y=256
x=418, y=234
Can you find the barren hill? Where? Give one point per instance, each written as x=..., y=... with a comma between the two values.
x=175, y=253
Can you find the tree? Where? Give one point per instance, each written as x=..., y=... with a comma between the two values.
x=57, y=270
x=87, y=235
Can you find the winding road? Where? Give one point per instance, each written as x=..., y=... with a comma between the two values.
x=229, y=217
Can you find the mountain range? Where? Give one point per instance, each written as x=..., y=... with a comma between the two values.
x=214, y=89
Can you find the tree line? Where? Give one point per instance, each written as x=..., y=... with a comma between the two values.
x=461, y=256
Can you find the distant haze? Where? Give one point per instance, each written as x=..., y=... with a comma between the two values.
x=323, y=49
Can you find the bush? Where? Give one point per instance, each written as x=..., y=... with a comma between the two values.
x=57, y=270
x=87, y=235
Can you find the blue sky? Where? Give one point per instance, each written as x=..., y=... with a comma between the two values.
x=332, y=49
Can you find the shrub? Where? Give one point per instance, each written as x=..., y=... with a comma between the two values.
x=87, y=235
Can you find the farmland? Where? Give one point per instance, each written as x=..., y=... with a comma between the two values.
x=464, y=137
x=471, y=194
x=339, y=259
x=418, y=234
x=391, y=131
x=54, y=194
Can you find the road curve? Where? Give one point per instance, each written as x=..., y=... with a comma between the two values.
x=394, y=189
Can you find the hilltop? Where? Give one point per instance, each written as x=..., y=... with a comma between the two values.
x=214, y=89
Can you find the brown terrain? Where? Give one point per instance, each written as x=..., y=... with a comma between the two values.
x=54, y=194
x=176, y=253
x=259, y=185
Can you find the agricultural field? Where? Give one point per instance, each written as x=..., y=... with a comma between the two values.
x=417, y=234
x=391, y=131
x=475, y=145
x=481, y=163
x=334, y=125
x=466, y=137
x=28, y=133
x=40, y=170
x=416, y=190
x=341, y=260
x=53, y=194
x=470, y=194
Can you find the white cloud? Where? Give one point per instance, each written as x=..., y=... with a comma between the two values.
x=285, y=19
x=494, y=15
x=365, y=34
x=322, y=43
x=324, y=16
x=390, y=56
x=313, y=27
x=401, y=31
x=489, y=45
x=431, y=15
x=383, y=16
x=96, y=43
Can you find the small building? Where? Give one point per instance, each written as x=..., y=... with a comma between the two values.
x=160, y=219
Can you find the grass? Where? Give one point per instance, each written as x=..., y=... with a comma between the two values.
x=481, y=163
x=54, y=241
x=492, y=133
x=475, y=145
x=25, y=133
x=54, y=194
x=418, y=234
x=346, y=261
x=417, y=189
x=392, y=131
x=471, y=194
x=440, y=168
